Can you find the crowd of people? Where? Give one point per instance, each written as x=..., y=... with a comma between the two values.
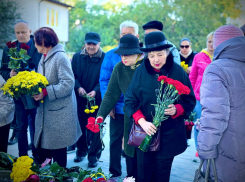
x=123, y=83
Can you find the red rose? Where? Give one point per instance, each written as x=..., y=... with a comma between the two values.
x=91, y=120
x=24, y=46
x=88, y=180
x=99, y=120
x=100, y=179
x=13, y=45
x=9, y=44
x=32, y=178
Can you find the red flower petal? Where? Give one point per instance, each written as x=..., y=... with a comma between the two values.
x=13, y=45
x=88, y=180
x=91, y=120
x=99, y=120
x=9, y=44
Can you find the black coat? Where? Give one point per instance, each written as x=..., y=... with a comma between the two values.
x=189, y=59
x=33, y=53
x=141, y=94
x=87, y=72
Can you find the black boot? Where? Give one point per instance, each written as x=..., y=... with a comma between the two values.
x=13, y=140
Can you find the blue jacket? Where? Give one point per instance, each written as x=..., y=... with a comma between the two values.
x=110, y=60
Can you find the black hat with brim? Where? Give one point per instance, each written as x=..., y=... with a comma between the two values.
x=155, y=41
x=129, y=45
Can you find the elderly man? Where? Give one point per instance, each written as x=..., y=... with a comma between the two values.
x=23, y=35
x=117, y=114
x=153, y=26
x=86, y=66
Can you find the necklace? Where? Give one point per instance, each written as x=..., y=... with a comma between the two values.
x=136, y=63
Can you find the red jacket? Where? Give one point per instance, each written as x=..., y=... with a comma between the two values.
x=200, y=62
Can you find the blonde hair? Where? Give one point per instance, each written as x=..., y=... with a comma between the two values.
x=210, y=34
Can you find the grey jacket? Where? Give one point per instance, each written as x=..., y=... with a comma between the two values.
x=223, y=116
x=56, y=124
x=6, y=106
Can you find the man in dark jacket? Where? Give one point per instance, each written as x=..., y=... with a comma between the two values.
x=23, y=35
x=86, y=68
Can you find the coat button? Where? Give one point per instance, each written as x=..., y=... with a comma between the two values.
x=157, y=75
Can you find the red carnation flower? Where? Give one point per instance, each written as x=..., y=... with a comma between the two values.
x=99, y=120
x=91, y=120
x=13, y=45
x=88, y=180
x=24, y=46
x=160, y=78
x=100, y=179
x=96, y=128
x=9, y=44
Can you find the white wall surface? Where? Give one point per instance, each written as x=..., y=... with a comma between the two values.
x=30, y=10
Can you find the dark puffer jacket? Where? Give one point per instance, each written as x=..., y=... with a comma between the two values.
x=223, y=116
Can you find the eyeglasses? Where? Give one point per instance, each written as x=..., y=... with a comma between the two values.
x=184, y=46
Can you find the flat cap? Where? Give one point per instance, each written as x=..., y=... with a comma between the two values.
x=153, y=25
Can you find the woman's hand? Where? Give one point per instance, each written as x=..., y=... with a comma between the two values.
x=171, y=110
x=148, y=127
x=38, y=97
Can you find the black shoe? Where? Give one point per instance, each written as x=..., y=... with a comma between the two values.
x=78, y=159
x=92, y=164
x=13, y=140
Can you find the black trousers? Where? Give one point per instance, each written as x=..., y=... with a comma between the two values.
x=131, y=165
x=4, y=136
x=151, y=168
x=22, y=115
x=116, y=135
x=95, y=149
x=58, y=155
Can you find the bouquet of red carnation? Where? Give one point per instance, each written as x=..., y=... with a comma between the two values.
x=189, y=123
x=94, y=125
x=16, y=57
x=172, y=91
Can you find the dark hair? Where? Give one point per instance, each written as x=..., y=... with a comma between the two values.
x=46, y=36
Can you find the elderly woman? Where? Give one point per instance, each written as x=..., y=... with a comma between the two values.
x=186, y=53
x=200, y=63
x=223, y=99
x=57, y=125
x=122, y=75
x=139, y=99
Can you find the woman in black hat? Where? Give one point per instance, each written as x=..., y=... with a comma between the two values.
x=121, y=77
x=139, y=99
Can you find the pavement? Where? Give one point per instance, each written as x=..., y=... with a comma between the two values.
x=183, y=168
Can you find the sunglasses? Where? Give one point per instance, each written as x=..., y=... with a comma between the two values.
x=184, y=46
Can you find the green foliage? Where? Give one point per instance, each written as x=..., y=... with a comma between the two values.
x=8, y=17
x=192, y=19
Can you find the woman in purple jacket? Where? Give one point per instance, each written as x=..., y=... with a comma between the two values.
x=222, y=132
x=200, y=62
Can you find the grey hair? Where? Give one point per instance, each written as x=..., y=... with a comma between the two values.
x=129, y=23
x=210, y=34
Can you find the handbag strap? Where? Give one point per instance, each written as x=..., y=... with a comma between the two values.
x=208, y=170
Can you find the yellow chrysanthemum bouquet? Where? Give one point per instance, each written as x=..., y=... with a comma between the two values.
x=22, y=169
x=91, y=106
x=184, y=65
x=24, y=85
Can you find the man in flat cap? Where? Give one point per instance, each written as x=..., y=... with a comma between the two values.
x=153, y=26
x=86, y=68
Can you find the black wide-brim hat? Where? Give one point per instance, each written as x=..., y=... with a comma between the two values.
x=155, y=41
x=129, y=45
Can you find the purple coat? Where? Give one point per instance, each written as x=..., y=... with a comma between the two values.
x=222, y=134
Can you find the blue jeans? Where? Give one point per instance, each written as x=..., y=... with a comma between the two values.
x=198, y=111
